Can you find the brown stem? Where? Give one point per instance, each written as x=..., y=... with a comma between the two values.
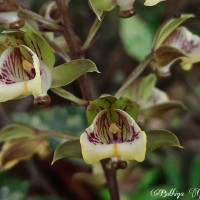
x=68, y=32
x=111, y=179
x=73, y=43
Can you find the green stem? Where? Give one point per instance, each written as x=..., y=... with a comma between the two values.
x=93, y=30
x=111, y=178
x=136, y=72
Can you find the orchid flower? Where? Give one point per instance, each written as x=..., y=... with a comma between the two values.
x=122, y=138
x=126, y=7
x=189, y=46
x=23, y=73
x=174, y=43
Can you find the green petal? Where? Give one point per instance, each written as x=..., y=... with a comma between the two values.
x=168, y=27
x=69, y=149
x=97, y=106
x=39, y=45
x=159, y=138
x=69, y=96
x=160, y=109
x=68, y=72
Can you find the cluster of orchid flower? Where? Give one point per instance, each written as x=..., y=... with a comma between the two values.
x=27, y=68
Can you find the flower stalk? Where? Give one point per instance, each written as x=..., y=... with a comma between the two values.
x=135, y=73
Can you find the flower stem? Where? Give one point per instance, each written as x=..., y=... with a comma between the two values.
x=111, y=178
x=73, y=43
x=93, y=30
x=135, y=73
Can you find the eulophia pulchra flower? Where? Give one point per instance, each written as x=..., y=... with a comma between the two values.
x=121, y=138
x=126, y=7
x=23, y=72
x=173, y=44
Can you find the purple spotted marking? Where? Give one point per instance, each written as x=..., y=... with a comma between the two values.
x=100, y=133
x=178, y=40
x=12, y=70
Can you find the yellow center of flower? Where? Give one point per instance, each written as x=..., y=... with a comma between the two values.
x=114, y=128
x=27, y=65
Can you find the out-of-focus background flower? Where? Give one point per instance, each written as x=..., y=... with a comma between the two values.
x=119, y=46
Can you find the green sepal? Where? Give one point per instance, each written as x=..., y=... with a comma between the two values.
x=110, y=103
x=159, y=138
x=20, y=131
x=99, y=6
x=69, y=96
x=32, y=40
x=68, y=149
x=97, y=106
x=146, y=87
x=128, y=106
x=140, y=90
x=39, y=45
x=68, y=72
x=168, y=27
x=160, y=109
x=16, y=131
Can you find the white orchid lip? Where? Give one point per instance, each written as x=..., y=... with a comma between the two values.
x=21, y=74
x=104, y=139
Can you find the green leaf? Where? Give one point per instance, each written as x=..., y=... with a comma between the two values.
x=160, y=109
x=16, y=131
x=97, y=106
x=69, y=149
x=168, y=27
x=159, y=138
x=68, y=72
x=39, y=45
x=128, y=106
x=69, y=96
x=146, y=88
x=136, y=37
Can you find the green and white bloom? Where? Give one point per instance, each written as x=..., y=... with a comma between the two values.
x=23, y=73
x=173, y=43
x=126, y=7
x=189, y=46
x=120, y=138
